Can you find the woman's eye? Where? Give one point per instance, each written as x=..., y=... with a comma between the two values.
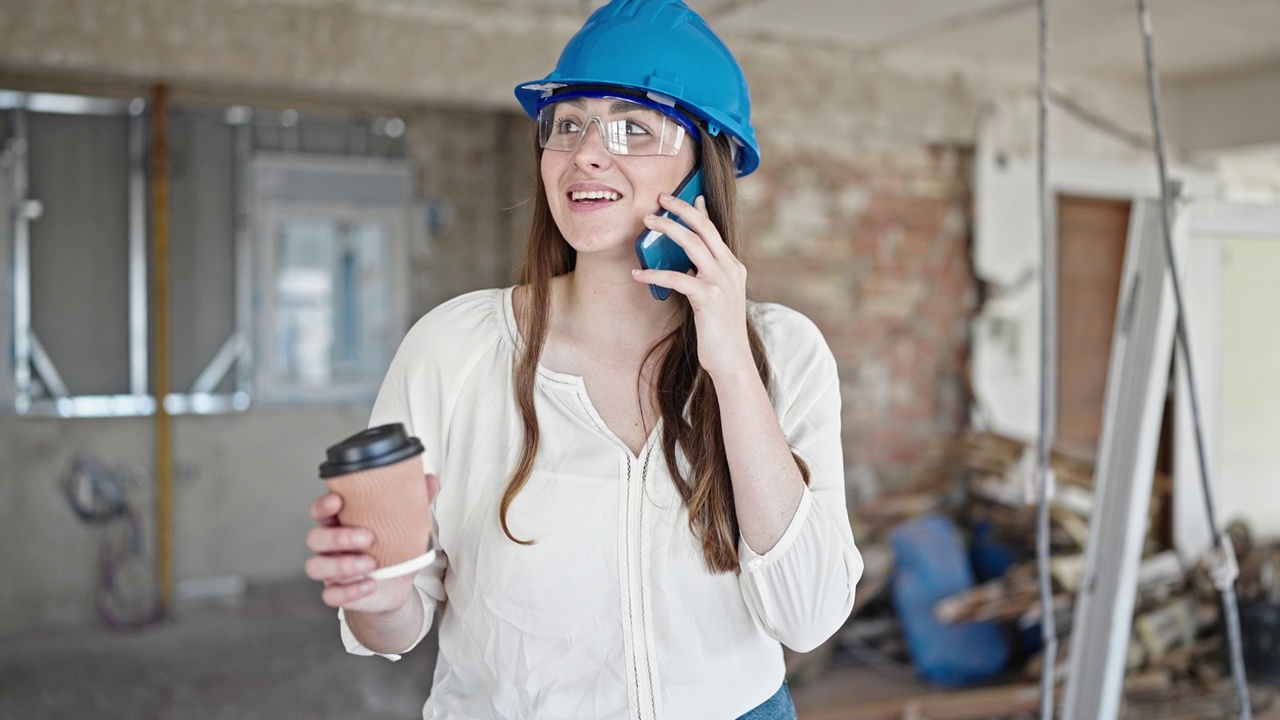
x=637, y=128
x=566, y=126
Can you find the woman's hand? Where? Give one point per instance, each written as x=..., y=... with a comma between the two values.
x=716, y=288
x=341, y=561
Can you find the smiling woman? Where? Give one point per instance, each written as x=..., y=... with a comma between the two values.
x=638, y=501
x=625, y=168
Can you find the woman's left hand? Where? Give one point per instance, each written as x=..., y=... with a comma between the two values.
x=716, y=287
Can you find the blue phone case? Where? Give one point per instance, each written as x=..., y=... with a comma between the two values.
x=659, y=252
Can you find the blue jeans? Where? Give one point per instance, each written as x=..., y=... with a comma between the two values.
x=778, y=707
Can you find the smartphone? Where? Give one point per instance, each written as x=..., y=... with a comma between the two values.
x=659, y=252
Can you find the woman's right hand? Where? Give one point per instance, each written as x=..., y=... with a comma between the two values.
x=341, y=561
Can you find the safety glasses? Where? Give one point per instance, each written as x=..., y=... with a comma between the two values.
x=628, y=125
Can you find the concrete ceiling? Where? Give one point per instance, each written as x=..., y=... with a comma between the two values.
x=1194, y=39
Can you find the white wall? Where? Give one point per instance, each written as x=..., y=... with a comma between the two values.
x=1251, y=174
x=1083, y=160
x=1250, y=455
x=1237, y=386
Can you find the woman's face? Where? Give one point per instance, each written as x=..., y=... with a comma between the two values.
x=599, y=199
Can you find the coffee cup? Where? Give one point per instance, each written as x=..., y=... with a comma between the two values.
x=378, y=473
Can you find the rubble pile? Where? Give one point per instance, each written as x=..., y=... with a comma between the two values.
x=983, y=483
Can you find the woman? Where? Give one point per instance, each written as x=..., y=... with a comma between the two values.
x=638, y=501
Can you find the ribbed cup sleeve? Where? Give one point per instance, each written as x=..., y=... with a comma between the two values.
x=391, y=501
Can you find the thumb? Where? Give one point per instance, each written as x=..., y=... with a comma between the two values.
x=433, y=488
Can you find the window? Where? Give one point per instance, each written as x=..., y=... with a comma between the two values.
x=289, y=239
x=333, y=280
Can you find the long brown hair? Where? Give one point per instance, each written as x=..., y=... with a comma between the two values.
x=684, y=393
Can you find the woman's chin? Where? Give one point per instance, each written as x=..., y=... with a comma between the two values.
x=604, y=247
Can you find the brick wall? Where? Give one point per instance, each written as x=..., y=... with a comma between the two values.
x=876, y=252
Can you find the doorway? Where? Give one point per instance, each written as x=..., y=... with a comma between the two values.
x=1092, y=234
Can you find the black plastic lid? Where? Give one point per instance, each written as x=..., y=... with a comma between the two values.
x=373, y=448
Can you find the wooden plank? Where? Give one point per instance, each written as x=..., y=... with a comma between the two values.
x=959, y=705
x=1092, y=234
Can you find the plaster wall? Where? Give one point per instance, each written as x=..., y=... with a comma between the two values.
x=244, y=480
x=471, y=54
x=1086, y=158
x=240, y=501
x=1250, y=457
x=1251, y=174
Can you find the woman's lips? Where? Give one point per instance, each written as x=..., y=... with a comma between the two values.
x=591, y=197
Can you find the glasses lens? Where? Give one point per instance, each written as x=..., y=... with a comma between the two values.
x=625, y=128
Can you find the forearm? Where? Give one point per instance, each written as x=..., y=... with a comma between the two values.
x=767, y=484
x=389, y=632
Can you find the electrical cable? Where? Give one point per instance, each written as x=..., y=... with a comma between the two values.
x=126, y=597
x=1231, y=612
x=1048, y=399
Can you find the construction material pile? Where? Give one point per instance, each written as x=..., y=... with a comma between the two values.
x=982, y=485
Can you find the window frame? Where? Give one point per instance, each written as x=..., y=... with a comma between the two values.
x=269, y=388
x=27, y=367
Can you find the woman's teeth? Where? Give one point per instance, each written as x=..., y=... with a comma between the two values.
x=579, y=195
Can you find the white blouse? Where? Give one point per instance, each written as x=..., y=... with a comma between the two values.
x=611, y=613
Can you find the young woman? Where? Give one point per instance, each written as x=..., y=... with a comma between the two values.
x=638, y=501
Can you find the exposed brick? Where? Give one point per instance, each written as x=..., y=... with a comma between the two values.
x=877, y=252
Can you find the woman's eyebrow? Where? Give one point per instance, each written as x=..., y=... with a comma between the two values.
x=621, y=106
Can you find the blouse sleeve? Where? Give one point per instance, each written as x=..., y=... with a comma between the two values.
x=429, y=585
x=418, y=390
x=801, y=591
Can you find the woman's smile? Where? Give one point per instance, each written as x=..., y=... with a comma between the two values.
x=588, y=197
x=599, y=199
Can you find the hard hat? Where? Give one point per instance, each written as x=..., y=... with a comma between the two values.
x=664, y=50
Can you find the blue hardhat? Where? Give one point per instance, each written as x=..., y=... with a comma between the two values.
x=665, y=50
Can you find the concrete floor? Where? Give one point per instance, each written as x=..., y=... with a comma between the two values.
x=275, y=654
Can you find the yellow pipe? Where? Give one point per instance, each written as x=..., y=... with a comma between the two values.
x=160, y=361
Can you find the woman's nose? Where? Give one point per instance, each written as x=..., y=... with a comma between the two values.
x=591, y=148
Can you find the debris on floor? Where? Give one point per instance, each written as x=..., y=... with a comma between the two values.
x=961, y=542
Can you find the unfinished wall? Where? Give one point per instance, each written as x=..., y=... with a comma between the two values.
x=244, y=480
x=858, y=218
x=477, y=173
x=876, y=251
x=1098, y=153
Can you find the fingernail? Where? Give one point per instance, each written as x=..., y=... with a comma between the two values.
x=635, y=271
x=365, y=564
x=362, y=538
x=366, y=587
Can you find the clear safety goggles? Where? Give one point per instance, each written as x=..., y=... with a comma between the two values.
x=629, y=125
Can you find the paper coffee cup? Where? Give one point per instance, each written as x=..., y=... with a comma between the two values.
x=379, y=476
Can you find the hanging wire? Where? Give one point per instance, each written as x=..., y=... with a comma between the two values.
x=126, y=597
x=1231, y=612
x=1048, y=376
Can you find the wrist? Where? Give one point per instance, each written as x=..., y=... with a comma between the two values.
x=378, y=617
x=735, y=374
x=392, y=601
